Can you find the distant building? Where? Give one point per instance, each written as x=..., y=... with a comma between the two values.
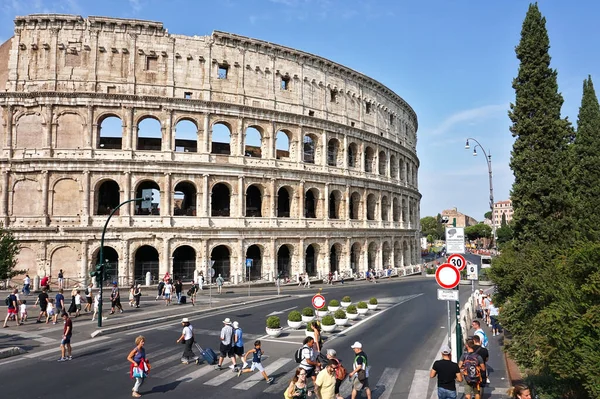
x=502, y=208
x=462, y=220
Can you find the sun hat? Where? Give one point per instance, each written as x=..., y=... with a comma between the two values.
x=356, y=345
x=236, y=324
x=227, y=320
x=185, y=320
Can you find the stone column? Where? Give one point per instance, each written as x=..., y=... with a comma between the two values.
x=167, y=132
x=393, y=254
x=240, y=265
x=207, y=135
x=326, y=267
x=361, y=154
x=239, y=151
x=128, y=129
x=379, y=256
x=326, y=204
x=206, y=201
x=125, y=265
x=365, y=265
x=166, y=197
x=301, y=254
x=45, y=195
x=88, y=139
x=273, y=261
x=241, y=198
x=346, y=216
x=48, y=127
x=348, y=263
x=324, y=146
x=165, y=265
x=127, y=209
x=199, y=208
x=301, y=200
x=344, y=153
x=84, y=261
x=85, y=217
x=388, y=171
x=4, y=211
x=271, y=141
x=9, y=131
x=300, y=158
x=272, y=202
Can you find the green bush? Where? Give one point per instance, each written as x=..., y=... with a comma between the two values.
x=351, y=309
x=324, y=309
x=463, y=274
x=328, y=320
x=339, y=314
x=362, y=305
x=346, y=299
x=334, y=302
x=294, y=315
x=309, y=326
x=483, y=275
x=309, y=312
x=430, y=270
x=373, y=301
x=273, y=322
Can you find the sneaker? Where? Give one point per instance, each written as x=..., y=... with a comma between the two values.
x=121, y=311
x=488, y=381
x=62, y=359
x=240, y=372
x=185, y=362
x=69, y=357
x=217, y=367
x=232, y=367
x=270, y=380
x=245, y=365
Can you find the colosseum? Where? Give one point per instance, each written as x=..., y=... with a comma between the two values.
x=253, y=150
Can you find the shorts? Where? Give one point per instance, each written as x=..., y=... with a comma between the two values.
x=89, y=299
x=78, y=307
x=358, y=385
x=51, y=312
x=66, y=340
x=43, y=307
x=257, y=366
x=167, y=296
x=238, y=350
x=23, y=315
x=471, y=390
x=226, y=350
x=12, y=311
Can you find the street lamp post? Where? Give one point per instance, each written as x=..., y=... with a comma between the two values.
x=488, y=158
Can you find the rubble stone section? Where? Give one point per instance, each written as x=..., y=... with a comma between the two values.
x=93, y=110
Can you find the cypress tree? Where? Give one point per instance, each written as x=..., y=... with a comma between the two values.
x=539, y=154
x=585, y=174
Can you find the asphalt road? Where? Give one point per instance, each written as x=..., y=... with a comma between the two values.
x=402, y=339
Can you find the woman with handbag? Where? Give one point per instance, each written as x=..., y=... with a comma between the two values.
x=140, y=366
x=187, y=338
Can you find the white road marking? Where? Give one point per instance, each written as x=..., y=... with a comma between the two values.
x=386, y=382
x=194, y=375
x=226, y=375
x=91, y=343
x=420, y=385
x=279, y=341
x=32, y=336
x=257, y=376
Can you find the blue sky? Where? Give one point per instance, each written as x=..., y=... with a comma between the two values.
x=453, y=61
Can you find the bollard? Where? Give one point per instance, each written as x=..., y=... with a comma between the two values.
x=298, y=277
x=95, y=282
x=196, y=276
x=148, y=279
x=36, y=284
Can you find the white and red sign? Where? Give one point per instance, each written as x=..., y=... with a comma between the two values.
x=447, y=276
x=458, y=261
x=318, y=301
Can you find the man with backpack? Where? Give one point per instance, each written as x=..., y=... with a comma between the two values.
x=471, y=365
x=447, y=373
x=11, y=303
x=304, y=356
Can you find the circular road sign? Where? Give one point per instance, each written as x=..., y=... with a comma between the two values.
x=458, y=261
x=212, y=271
x=318, y=301
x=447, y=276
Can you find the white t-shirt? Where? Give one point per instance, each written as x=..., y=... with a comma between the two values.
x=494, y=311
x=23, y=308
x=168, y=288
x=188, y=332
x=77, y=299
x=96, y=301
x=26, y=280
x=307, y=354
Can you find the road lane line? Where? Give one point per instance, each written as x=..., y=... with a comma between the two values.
x=420, y=385
x=91, y=342
x=257, y=377
x=279, y=341
x=32, y=336
x=386, y=382
x=194, y=375
x=226, y=375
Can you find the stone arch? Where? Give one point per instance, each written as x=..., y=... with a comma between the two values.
x=186, y=135
x=110, y=132
x=396, y=209
x=385, y=208
x=69, y=130
x=311, y=203
x=29, y=131
x=405, y=254
x=254, y=201
x=149, y=134
x=284, y=261
x=352, y=155
x=333, y=149
x=67, y=259
x=397, y=254
x=335, y=257
x=284, y=201
x=310, y=143
x=221, y=255
x=253, y=141
x=184, y=199
x=369, y=159
x=26, y=261
x=355, y=257
x=148, y=185
x=66, y=198
x=221, y=138
x=386, y=254
x=354, y=206
x=335, y=204
x=220, y=200
x=255, y=253
x=111, y=263
x=108, y=197
x=311, y=259
x=404, y=211
x=184, y=263
x=382, y=163
x=394, y=167
x=371, y=207
x=27, y=198
x=372, y=256
x=146, y=259
x=283, y=141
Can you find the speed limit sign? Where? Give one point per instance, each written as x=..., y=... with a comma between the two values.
x=458, y=261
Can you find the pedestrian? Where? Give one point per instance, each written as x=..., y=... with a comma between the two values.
x=220, y=282
x=27, y=285
x=11, y=302
x=226, y=347
x=447, y=373
x=238, y=343
x=72, y=307
x=325, y=383
x=471, y=366
x=360, y=371
x=200, y=282
x=89, y=298
x=307, y=355
x=77, y=303
x=306, y=281
x=187, y=338
x=192, y=292
x=478, y=331
x=161, y=286
x=137, y=358
x=256, y=353
x=297, y=388
x=520, y=391
x=45, y=283
x=486, y=310
x=97, y=300
x=494, y=313
x=61, y=280
x=23, y=311
x=340, y=372
x=65, y=343
x=42, y=300
x=167, y=290
x=137, y=294
x=131, y=295
x=316, y=328
x=60, y=301
x=178, y=288
x=485, y=355
x=115, y=299
x=51, y=312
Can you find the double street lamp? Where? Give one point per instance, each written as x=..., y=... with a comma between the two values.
x=489, y=165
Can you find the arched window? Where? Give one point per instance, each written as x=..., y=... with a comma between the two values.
x=335, y=198
x=371, y=207
x=284, y=262
x=310, y=260
x=355, y=257
x=109, y=197
x=369, y=159
x=372, y=256
x=352, y=155
x=184, y=199
x=220, y=200
x=222, y=260
x=184, y=263
x=382, y=164
x=146, y=260
x=155, y=205
x=253, y=202
x=253, y=147
x=332, y=152
x=283, y=203
x=396, y=210
x=253, y=252
x=354, y=206
x=149, y=135
x=110, y=133
x=310, y=204
x=394, y=166
x=385, y=208
x=282, y=145
x=186, y=136
x=221, y=139
x=308, y=146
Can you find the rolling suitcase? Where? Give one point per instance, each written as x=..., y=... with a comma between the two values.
x=208, y=354
x=183, y=300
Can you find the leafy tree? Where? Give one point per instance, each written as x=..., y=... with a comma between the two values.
x=540, y=202
x=432, y=226
x=477, y=231
x=9, y=249
x=488, y=215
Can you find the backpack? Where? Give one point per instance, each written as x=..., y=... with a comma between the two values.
x=7, y=301
x=470, y=369
x=298, y=354
x=340, y=372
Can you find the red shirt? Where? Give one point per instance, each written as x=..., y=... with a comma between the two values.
x=69, y=325
x=45, y=280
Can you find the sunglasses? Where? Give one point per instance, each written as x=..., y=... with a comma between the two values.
x=302, y=374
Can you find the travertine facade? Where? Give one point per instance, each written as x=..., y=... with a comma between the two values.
x=331, y=183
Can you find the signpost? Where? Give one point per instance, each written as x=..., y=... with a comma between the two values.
x=318, y=301
x=455, y=240
x=248, y=267
x=448, y=277
x=211, y=274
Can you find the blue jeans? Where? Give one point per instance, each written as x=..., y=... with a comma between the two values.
x=444, y=393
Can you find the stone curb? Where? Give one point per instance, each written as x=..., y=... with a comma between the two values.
x=8, y=352
x=141, y=323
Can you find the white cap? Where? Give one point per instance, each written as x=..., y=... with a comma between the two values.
x=236, y=324
x=446, y=350
x=227, y=320
x=356, y=345
x=185, y=320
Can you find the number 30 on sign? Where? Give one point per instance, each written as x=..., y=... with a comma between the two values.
x=458, y=261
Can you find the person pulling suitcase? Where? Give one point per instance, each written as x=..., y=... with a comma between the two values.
x=187, y=338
